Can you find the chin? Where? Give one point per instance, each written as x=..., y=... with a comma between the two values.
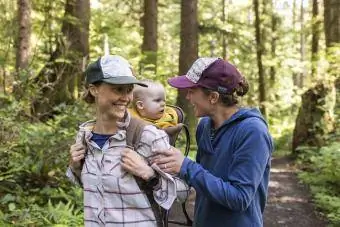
x=159, y=117
x=118, y=115
x=197, y=114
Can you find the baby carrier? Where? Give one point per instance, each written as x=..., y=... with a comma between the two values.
x=133, y=133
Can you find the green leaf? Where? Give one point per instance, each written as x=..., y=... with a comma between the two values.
x=11, y=206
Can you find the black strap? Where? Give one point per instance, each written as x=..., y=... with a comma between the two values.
x=188, y=222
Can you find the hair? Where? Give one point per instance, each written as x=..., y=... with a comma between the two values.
x=87, y=96
x=139, y=91
x=231, y=99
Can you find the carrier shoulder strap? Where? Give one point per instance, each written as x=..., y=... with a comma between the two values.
x=133, y=136
x=134, y=132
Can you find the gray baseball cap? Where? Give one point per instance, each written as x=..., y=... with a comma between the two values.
x=111, y=69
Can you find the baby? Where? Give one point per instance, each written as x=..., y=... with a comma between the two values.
x=149, y=105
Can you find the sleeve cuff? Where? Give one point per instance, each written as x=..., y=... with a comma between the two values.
x=184, y=169
x=165, y=192
x=155, y=182
x=73, y=177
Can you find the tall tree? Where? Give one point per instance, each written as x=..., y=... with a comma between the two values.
x=22, y=43
x=302, y=45
x=332, y=35
x=315, y=36
x=188, y=52
x=24, y=34
x=149, y=46
x=224, y=41
x=314, y=120
x=295, y=76
x=274, y=23
x=259, y=53
x=61, y=76
x=332, y=22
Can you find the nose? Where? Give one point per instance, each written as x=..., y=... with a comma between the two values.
x=188, y=95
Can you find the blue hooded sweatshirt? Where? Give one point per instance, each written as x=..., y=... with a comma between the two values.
x=231, y=172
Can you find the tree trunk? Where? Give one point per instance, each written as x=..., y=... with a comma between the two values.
x=24, y=35
x=302, y=46
x=274, y=22
x=224, y=42
x=332, y=22
x=315, y=37
x=314, y=119
x=62, y=75
x=23, y=45
x=332, y=35
x=295, y=76
x=149, y=46
x=188, y=54
x=264, y=25
x=259, y=52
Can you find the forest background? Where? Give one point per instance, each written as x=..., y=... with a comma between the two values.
x=289, y=50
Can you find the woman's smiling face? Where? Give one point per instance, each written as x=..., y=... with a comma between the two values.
x=112, y=99
x=200, y=102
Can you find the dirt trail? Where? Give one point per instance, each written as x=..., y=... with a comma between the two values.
x=289, y=203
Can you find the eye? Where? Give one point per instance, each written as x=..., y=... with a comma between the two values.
x=129, y=89
x=118, y=89
x=158, y=100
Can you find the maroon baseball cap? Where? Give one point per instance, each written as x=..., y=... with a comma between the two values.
x=212, y=73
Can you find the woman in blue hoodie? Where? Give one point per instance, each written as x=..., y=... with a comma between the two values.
x=231, y=172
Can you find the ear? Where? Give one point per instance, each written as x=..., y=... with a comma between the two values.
x=140, y=105
x=213, y=97
x=93, y=90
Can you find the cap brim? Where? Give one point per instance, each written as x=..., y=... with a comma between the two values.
x=181, y=82
x=123, y=80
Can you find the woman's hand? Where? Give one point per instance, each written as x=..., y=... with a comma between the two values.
x=170, y=161
x=77, y=153
x=133, y=163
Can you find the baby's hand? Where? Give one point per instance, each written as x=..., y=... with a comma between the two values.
x=135, y=164
x=173, y=130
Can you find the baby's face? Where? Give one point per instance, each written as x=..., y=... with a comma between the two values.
x=154, y=103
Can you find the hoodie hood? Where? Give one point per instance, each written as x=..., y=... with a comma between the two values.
x=239, y=116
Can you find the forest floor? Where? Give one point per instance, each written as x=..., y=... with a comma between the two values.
x=289, y=204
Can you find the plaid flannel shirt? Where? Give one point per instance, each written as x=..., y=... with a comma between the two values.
x=111, y=195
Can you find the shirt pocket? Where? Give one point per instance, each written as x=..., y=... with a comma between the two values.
x=110, y=165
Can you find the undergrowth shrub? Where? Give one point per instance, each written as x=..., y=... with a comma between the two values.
x=322, y=173
x=34, y=190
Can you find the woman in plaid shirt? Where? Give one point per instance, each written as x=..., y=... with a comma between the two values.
x=106, y=167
